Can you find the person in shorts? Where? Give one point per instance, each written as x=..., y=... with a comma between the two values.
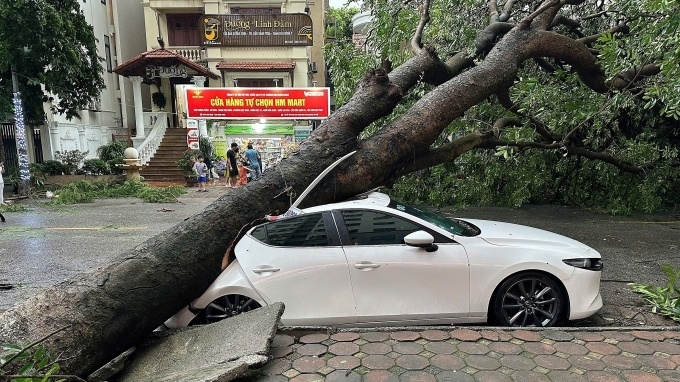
x=232, y=154
x=201, y=170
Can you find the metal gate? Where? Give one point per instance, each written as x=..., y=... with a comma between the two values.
x=8, y=151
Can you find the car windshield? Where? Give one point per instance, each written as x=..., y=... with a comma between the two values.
x=454, y=226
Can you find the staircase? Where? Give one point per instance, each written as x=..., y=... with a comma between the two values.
x=162, y=166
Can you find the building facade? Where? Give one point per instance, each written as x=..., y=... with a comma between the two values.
x=119, y=28
x=245, y=43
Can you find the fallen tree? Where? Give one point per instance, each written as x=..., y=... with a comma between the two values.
x=112, y=308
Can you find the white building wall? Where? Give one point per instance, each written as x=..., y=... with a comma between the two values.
x=122, y=21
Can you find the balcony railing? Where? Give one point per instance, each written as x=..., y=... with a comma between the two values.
x=193, y=53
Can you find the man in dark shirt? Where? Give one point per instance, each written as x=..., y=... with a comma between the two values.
x=232, y=153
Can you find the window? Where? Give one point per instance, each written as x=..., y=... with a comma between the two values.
x=376, y=228
x=183, y=29
x=301, y=231
x=256, y=11
x=260, y=82
x=107, y=53
x=103, y=1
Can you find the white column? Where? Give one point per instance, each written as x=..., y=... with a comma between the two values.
x=198, y=81
x=81, y=138
x=202, y=125
x=54, y=140
x=139, y=112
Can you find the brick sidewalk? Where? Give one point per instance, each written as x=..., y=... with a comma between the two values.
x=477, y=355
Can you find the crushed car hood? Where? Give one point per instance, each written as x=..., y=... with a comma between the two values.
x=507, y=234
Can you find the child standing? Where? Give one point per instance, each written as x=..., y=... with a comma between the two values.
x=201, y=170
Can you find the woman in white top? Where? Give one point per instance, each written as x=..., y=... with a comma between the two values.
x=2, y=186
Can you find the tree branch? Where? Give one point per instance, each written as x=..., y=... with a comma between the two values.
x=505, y=16
x=486, y=37
x=416, y=43
x=493, y=11
x=623, y=28
x=628, y=77
x=618, y=163
x=32, y=344
x=541, y=128
x=525, y=23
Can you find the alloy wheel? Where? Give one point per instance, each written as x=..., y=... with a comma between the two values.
x=530, y=301
x=229, y=306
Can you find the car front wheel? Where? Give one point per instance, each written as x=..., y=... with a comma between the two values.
x=529, y=299
x=228, y=306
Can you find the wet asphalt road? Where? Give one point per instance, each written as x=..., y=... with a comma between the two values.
x=44, y=246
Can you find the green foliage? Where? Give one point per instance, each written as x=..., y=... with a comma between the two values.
x=339, y=23
x=49, y=167
x=71, y=159
x=186, y=163
x=159, y=100
x=114, y=165
x=51, y=44
x=111, y=150
x=36, y=360
x=664, y=300
x=14, y=207
x=85, y=192
x=96, y=167
x=639, y=126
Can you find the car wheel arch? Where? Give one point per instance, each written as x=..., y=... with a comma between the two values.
x=567, y=309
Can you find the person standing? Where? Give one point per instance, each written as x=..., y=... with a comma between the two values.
x=255, y=160
x=232, y=153
x=2, y=187
x=201, y=170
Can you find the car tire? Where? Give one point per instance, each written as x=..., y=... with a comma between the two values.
x=529, y=299
x=228, y=306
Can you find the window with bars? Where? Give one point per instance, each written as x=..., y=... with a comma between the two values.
x=260, y=82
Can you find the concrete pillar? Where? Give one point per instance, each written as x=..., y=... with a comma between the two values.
x=54, y=140
x=139, y=111
x=202, y=125
x=198, y=81
x=82, y=143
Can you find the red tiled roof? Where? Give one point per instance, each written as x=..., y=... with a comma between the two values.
x=136, y=66
x=255, y=65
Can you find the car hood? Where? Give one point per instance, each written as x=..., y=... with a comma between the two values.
x=515, y=235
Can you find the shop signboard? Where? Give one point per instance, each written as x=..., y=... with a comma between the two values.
x=287, y=29
x=254, y=103
x=302, y=132
x=192, y=134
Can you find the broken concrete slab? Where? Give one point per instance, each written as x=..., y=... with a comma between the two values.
x=217, y=352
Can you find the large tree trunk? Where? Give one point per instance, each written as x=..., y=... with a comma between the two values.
x=112, y=308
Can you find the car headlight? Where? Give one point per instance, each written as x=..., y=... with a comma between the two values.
x=589, y=264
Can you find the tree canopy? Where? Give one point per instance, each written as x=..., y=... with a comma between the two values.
x=558, y=139
x=54, y=51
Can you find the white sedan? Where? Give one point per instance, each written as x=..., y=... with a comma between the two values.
x=374, y=261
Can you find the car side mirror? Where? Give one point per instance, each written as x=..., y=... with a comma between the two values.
x=421, y=239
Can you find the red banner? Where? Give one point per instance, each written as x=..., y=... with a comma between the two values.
x=252, y=103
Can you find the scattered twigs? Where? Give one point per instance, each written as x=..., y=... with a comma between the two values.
x=31, y=345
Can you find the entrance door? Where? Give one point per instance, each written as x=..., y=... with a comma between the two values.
x=179, y=105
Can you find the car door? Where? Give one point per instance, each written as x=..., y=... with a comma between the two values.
x=395, y=282
x=300, y=262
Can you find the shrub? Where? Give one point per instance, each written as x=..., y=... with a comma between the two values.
x=52, y=167
x=111, y=150
x=96, y=167
x=113, y=165
x=71, y=159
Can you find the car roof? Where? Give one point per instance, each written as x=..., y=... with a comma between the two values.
x=362, y=200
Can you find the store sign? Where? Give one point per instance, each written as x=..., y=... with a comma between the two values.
x=192, y=134
x=302, y=133
x=286, y=29
x=249, y=103
x=153, y=71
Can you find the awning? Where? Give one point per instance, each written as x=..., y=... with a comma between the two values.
x=160, y=58
x=256, y=65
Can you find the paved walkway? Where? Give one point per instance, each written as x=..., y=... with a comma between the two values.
x=486, y=355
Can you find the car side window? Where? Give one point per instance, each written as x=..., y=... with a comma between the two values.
x=376, y=228
x=305, y=230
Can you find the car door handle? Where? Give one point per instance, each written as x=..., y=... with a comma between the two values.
x=265, y=269
x=365, y=265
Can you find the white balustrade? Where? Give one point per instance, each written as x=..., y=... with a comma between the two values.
x=159, y=123
x=193, y=53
